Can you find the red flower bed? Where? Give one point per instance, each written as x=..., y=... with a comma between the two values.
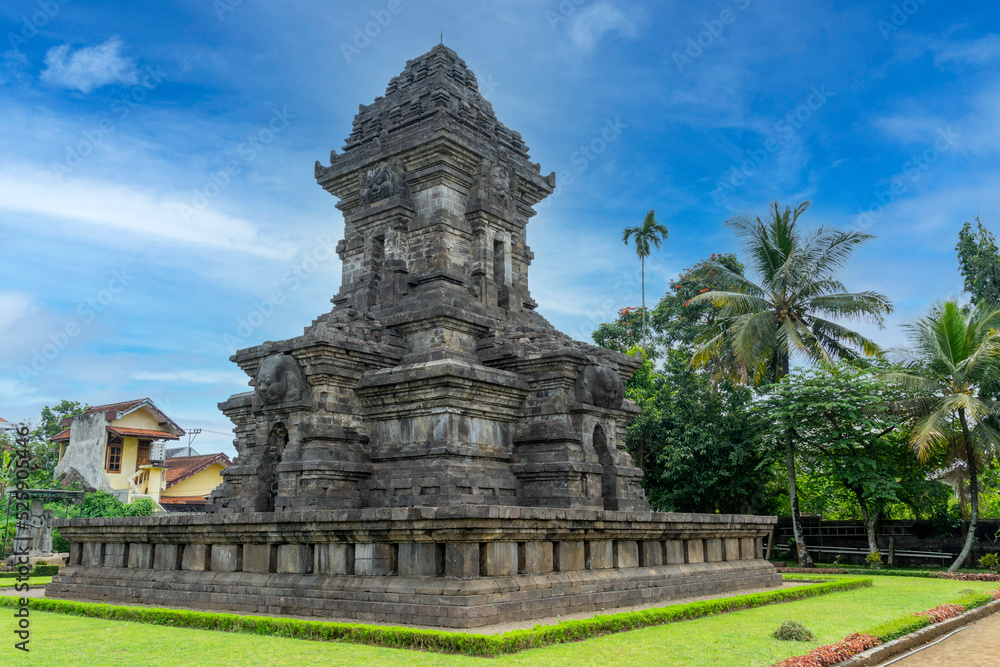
x=831, y=654
x=942, y=612
x=968, y=576
x=996, y=594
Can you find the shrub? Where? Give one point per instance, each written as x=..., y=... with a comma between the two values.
x=44, y=570
x=60, y=544
x=793, y=631
x=990, y=561
x=874, y=560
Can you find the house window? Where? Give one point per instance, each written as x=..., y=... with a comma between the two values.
x=115, y=454
x=142, y=456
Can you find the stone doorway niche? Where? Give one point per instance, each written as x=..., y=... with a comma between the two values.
x=267, y=478
x=606, y=458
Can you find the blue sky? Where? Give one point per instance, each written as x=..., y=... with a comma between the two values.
x=157, y=200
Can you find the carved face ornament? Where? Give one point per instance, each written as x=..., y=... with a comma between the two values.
x=271, y=383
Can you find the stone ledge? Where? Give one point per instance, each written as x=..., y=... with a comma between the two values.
x=442, y=602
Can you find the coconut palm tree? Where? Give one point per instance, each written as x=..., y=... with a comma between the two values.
x=649, y=234
x=953, y=354
x=761, y=324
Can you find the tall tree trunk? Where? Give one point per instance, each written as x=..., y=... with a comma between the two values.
x=793, y=490
x=871, y=521
x=642, y=282
x=970, y=457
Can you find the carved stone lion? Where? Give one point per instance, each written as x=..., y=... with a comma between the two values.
x=600, y=386
x=280, y=380
x=384, y=180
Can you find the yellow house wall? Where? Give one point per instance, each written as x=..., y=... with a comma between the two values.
x=141, y=418
x=199, y=484
x=130, y=451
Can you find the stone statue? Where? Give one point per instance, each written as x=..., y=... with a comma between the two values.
x=385, y=179
x=34, y=535
x=280, y=380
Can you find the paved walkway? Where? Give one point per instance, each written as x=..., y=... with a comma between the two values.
x=978, y=645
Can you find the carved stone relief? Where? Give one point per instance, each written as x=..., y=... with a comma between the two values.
x=384, y=180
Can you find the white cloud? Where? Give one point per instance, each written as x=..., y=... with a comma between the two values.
x=131, y=209
x=90, y=67
x=594, y=22
x=976, y=51
x=195, y=376
x=14, y=306
x=12, y=67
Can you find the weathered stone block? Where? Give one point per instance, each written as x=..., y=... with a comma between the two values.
x=675, y=552
x=569, y=556
x=626, y=554
x=759, y=547
x=227, y=557
x=694, y=551
x=260, y=558
x=599, y=554
x=166, y=557
x=295, y=558
x=650, y=553
x=195, y=557
x=731, y=547
x=713, y=550
x=140, y=556
x=93, y=553
x=375, y=559
x=461, y=559
x=746, y=548
x=498, y=559
x=337, y=558
x=75, y=553
x=420, y=559
x=535, y=558
x=115, y=554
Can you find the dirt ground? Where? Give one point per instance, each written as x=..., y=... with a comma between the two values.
x=978, y=645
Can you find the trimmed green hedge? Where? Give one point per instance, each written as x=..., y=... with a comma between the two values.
x=44, y=570
x=899, y=627
x=433, y=640
x=40, y=570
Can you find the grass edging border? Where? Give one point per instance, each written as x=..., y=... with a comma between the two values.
x=879, y=654
x=438, y=640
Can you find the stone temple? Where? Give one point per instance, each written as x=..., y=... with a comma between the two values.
x=431, y=450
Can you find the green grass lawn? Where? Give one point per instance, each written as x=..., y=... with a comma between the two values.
x=32, y=581
x=739, y=639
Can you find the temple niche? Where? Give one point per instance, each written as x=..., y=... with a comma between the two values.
x=432, y=425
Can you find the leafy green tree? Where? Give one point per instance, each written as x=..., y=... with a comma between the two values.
x=651, y=233
x=696, y=441
x=761, y=324
x=979, y=262
x=952, y=355
x=842, y=419
x=675, y=322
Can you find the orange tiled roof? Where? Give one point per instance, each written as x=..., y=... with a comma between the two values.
x=143, y=433
x=61, y=435
x=183, y=500
x=182, y=467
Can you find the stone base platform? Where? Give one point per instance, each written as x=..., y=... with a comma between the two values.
x=457, y=567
